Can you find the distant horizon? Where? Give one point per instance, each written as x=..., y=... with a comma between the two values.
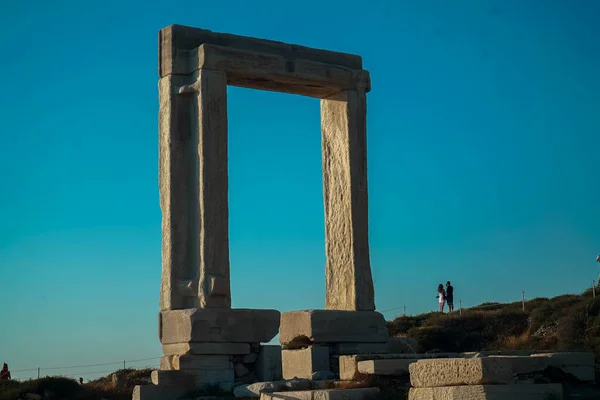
x=482, y=125
x=31, y=373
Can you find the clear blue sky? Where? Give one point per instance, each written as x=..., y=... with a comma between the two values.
x=483, y=137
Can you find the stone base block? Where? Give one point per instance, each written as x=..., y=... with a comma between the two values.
x=333, y=326
x=179, y=349
x=304, y=363
x=196, y=379
x=268, y=365
x=489, y=392
x=152, y=392
x=218, y=325
x=460, y=371
x=331, y=394
x=348, y=364
x=397, y=367
x=192, y=362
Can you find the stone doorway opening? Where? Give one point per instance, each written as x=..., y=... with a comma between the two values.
x=277, y=190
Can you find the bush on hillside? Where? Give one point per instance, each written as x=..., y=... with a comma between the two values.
x=69, y=389
x=60, y=387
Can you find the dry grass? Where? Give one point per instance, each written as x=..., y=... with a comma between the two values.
x=567, y=322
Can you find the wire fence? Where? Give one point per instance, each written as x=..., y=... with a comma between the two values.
x=66, y=370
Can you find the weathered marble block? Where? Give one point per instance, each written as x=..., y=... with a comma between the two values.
x=218, y=325
x=333, y=326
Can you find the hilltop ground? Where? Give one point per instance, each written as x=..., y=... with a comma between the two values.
x=567, y=322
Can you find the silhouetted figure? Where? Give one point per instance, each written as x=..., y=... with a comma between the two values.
x=450, y=296
x=5, y=373
x=81, y=381
x=441, y=297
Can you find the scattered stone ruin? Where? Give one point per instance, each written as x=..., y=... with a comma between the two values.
x=207, y=343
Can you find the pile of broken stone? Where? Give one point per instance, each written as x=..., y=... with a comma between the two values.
x=208, y=347
x=322, y=350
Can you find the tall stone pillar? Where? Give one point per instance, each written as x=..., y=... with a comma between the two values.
x=194, y=191
x=349, y=284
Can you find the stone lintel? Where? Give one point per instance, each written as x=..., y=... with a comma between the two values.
x=268, y=71
x=332, y=326
x=218, y=325
x=174, y=40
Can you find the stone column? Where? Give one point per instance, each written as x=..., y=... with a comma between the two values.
x=349, y=284
x=194, y=191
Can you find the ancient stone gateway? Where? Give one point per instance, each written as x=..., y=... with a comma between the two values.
x=204, y=340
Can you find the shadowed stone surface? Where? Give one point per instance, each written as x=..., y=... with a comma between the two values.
x=218, y=325
x=189, y=361
x=193, y=191
x=398, y=367
x=268, y=365
x=332, y=326
x=206, y=348
x=304, y=363
x=194, y=378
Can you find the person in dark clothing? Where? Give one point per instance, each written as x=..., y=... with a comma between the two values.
x=450, y=296
x=4, y=373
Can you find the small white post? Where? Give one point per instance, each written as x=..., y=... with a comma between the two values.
x=405, y=311
x=523, y=299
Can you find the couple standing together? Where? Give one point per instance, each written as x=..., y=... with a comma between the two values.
x=446, y=296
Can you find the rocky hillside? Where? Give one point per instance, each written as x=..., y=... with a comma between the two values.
x=567, y=322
